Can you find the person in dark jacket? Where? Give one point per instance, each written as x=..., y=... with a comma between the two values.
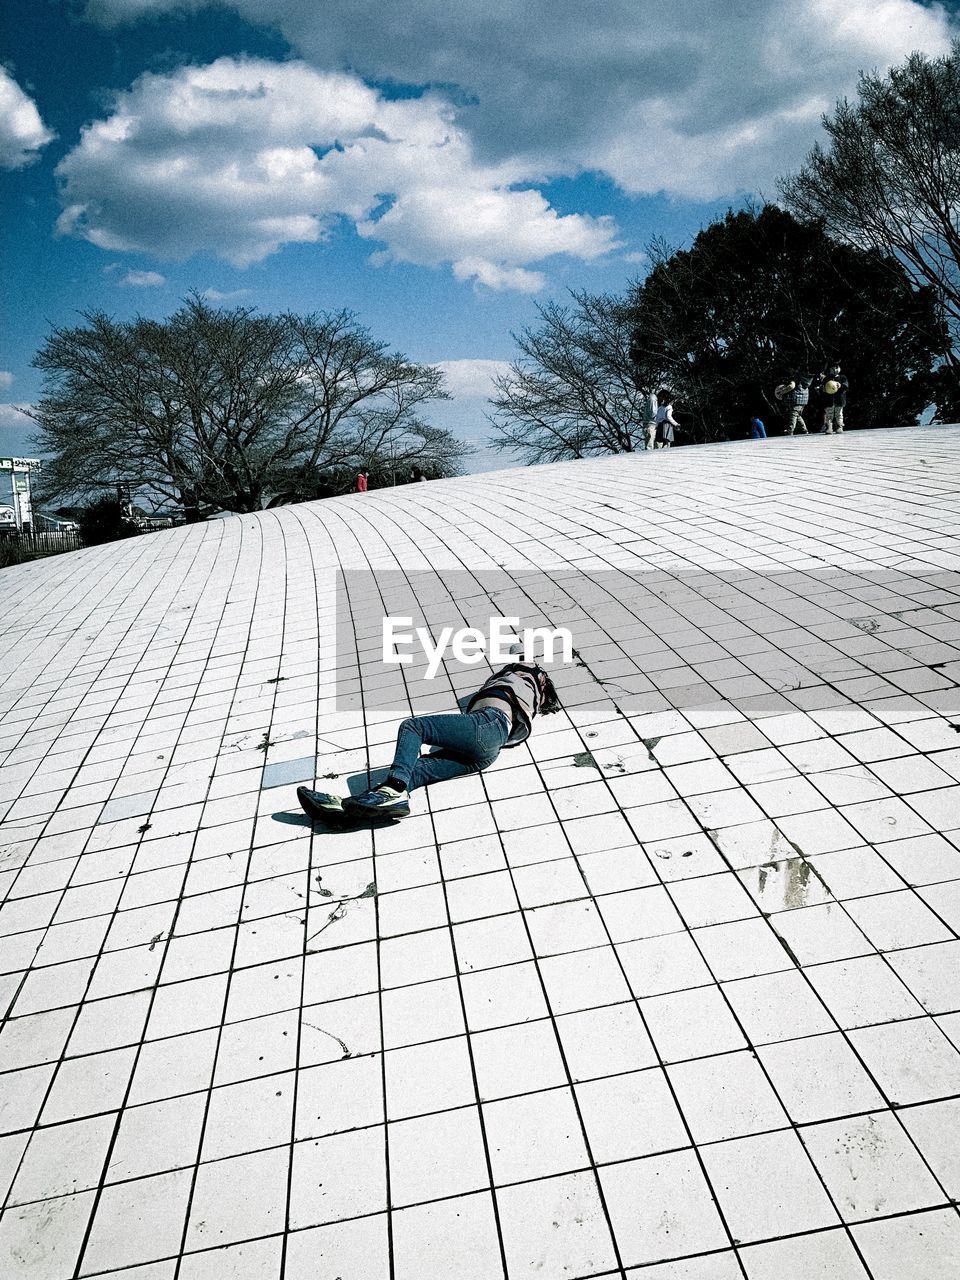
x=757, y=430
x=833, y=387
x=500, y=714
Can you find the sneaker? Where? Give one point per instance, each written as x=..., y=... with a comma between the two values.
x=381, y=801
x=320, y=805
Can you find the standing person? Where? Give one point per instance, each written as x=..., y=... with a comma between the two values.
x=361, y=482
x=795, y=400
x=666, y=423
x=757, y=430
x=833, y=386
x=500, y=714
x=649, y=409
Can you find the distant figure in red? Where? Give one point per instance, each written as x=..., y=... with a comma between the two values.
x=362, y=482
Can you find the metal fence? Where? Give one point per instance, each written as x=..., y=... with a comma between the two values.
x=16, y=546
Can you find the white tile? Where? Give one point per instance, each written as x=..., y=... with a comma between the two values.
x=569, y=926
x=691, y=1024
x=818, y=934
x=555, y=1224
x=583, y=979
x=661, y=1208
x=486, y=944
x=599, y=1042
x=516, y=1060
x=767, y=1187
x=912, y=1061
x=61, y=1222
x=828, y=1255
x=933, y=1127
x=870, y=1167
x=657, y=965
x=350, y=1250
x=436, y=1155
x=534, y=1136
x=63, y=1159
x=138, y=1221
x=742, y=949
x=426, y=1011
x=340, y=1176
x=819, y=1077
x=423, y=1078
x=712, y=900
x=639, y=913
x=86, y=1086
x=895, y=920
x=631, y=1115
x=157, y=1137
x=726, y=1097
x=925, y=1246
x=932, y=973
x=456, y=1237
x=252, y=1260
x=496, y=997
x=248, y=1116
x=777, y=1006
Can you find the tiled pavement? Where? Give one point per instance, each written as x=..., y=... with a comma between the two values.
x=673, y=994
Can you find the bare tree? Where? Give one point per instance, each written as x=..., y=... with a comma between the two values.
x=572, y=393
x=890, y=177
x=227, y=409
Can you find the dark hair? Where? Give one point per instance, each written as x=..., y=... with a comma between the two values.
x=549, y=702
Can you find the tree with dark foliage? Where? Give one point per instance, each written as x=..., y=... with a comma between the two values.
x=216, y=409
x=760, y=298
x=105, y=520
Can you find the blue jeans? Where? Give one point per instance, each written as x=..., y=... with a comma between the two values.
x=468, y=743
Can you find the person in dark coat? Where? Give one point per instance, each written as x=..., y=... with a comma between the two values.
x=833, y=386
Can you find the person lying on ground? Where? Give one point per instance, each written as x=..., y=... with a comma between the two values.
x=500, y=714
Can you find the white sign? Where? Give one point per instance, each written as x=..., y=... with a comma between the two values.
x=21, y=464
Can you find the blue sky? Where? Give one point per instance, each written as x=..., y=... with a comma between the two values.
x=439, y=169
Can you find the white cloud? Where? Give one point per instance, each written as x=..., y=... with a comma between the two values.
x=472, y=379
x=700, y=99
x=7, y=379
x=143, y=279
x=12, y=415
x=219, y=295
x=16, y=431
x=245, y=155
x=22, y=132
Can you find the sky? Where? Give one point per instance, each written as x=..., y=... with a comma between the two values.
x=439, y=168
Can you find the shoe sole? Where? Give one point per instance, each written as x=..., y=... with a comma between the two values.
x=335, y=814
x=352, y=806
